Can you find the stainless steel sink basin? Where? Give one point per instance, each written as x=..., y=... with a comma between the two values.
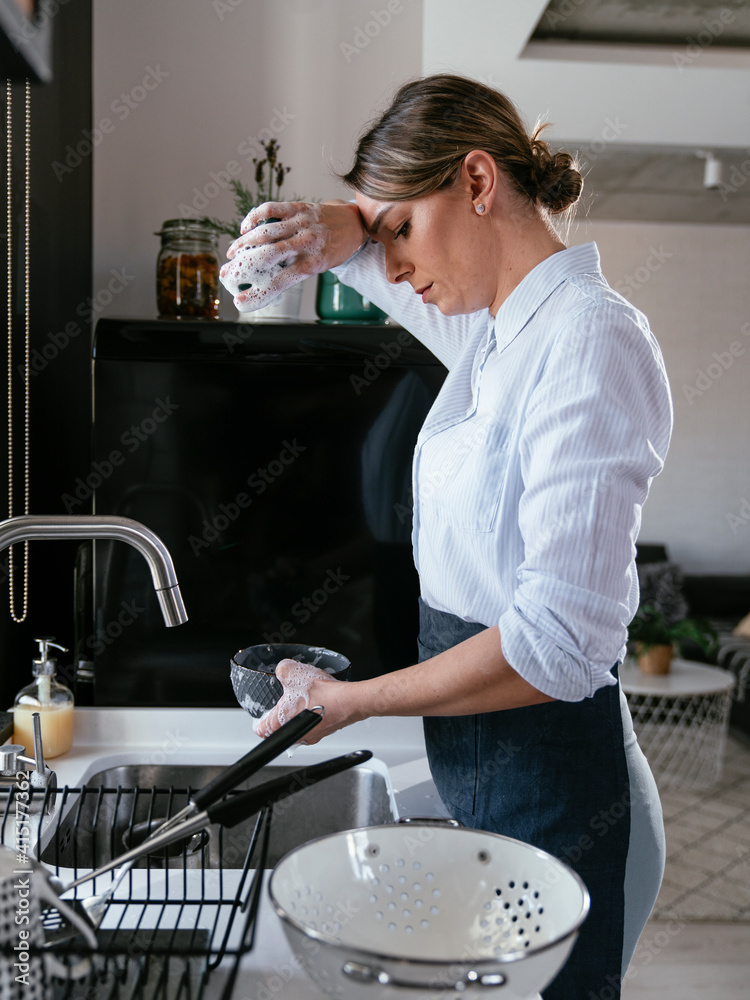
x=118, y=804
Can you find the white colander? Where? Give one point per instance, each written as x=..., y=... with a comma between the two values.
x=420, y=909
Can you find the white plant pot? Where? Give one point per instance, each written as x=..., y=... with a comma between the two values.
x=286, y=306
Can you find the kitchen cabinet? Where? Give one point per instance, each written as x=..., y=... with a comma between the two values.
x=275, y=463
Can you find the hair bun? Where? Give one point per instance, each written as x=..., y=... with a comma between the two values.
x=557, y=181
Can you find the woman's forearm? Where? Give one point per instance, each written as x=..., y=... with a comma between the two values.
x=468, y=679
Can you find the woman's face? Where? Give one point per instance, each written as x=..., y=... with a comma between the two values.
x=439, y=245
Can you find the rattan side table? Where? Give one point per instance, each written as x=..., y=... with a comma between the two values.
x=681, y=720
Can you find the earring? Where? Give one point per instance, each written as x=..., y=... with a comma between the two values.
x=480, y=208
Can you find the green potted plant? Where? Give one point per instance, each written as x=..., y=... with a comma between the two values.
x=655, y=637
x=270, y=173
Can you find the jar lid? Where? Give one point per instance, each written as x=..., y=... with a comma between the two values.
x=186, y=227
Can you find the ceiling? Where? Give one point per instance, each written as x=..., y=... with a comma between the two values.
x=637, y=88
x=718, y=23
x=647, y=183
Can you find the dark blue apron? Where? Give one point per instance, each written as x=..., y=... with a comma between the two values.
x=555, y=776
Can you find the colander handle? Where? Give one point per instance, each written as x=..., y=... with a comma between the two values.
x=372, y=974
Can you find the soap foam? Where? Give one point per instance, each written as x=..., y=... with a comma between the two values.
x=298, y=679
x=257, y=275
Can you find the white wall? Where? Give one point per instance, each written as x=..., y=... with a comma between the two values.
x=692, y=283
x=309, y=72
x=312, y=72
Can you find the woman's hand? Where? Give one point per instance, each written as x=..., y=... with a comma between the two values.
x=284, y=242
x=306, y=686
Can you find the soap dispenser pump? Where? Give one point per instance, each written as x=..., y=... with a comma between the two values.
x=51, y=699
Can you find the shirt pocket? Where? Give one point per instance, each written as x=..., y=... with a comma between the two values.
x=460, y=474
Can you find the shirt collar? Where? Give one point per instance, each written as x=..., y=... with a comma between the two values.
x=538, y=285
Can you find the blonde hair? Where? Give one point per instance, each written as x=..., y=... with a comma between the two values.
x=418, y=145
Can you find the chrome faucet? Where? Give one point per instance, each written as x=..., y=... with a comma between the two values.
x=30, y=527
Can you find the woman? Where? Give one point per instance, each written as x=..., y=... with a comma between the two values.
x=529, y=477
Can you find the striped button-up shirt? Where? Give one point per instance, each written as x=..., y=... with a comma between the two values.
x=534, y=462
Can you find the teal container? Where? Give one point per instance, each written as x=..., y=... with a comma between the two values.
x=336, y=302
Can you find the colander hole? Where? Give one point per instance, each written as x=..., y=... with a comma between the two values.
x=416, y=886
x=487, y=939
x=541, y=909
x=399, y=862
x=520, y=903
x=406, y=914
x=537, y=929
x=424, y=924
x=373, y=899
x=319, y=895
x=391, y=927
x=506, y=906
x=378, y=914
x=372, y=850
x=514, y=919
x=484, y=923
x=315, y=911
x=511, y=885
x=483, y=857
x=408, y=929
x=416, y=866
x=429, y=876
x=303, y=910
x=388, y=889
x=526, y=885
x=375, y=880
x=402, y=879
x=436, y=893
x=419, y=903
x=526, y=944
x=498, y=892
x=385, y=868
x=434, y=910
x=404, y=896
x=536, y=895
x=391, y=906
x=488, y=906
x=528, y=916
x=520, y=931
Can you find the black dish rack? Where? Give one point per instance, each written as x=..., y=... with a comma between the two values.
x=181, y=918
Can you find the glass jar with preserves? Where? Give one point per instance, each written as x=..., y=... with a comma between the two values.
x=187, y=270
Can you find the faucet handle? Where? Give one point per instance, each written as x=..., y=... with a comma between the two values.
x=9, y=756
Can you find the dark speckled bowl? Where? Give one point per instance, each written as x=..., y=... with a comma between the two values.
x=252, y=671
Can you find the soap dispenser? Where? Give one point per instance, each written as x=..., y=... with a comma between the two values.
x=51, y=699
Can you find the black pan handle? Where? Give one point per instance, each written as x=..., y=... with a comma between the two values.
x=284, y=737
x=238, y=807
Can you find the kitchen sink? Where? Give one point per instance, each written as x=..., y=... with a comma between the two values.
x=114, y=810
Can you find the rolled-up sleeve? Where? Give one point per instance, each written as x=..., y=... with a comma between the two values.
x=595, y=433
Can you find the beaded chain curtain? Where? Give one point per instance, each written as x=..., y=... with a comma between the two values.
x=23, y=244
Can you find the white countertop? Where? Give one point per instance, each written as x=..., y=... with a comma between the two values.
x=108, y=737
